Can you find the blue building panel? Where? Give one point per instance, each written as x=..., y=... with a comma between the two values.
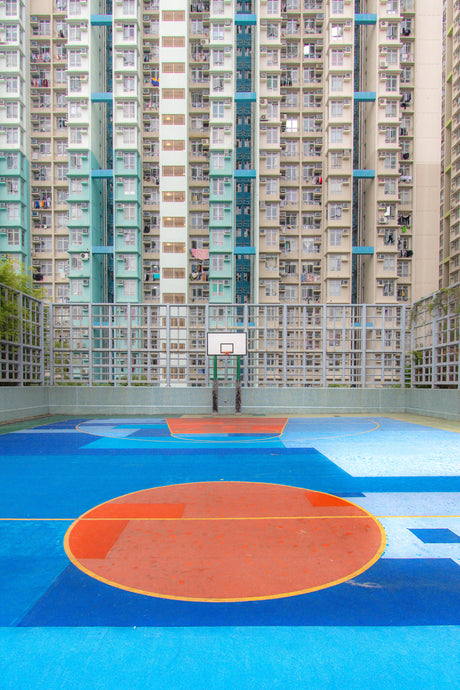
x=363, y=250
x=365, y=96
x=365, y=19
x=247, y=96
x=363, y=174
x=246, y=19
x=102, y=174
x=101, y=20
x=102, y=96
x=241, y=174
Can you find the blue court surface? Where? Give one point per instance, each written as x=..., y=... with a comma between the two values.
x=395, y=624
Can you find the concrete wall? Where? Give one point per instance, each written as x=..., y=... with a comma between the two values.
x=434, y=403
x=322, y=400
x=22, y=403
x=94, y=400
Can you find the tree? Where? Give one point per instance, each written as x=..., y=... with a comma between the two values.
x=18, y=278
x=12, y=281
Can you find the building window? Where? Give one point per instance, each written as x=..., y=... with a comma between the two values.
x=271, y=212
x=389, y=263
x=335, y=185
x=391, y=135
x=129, y=109
x=13, y=212
x=335, y=288
x=337, y=7
x=129, y=287
x=12, y=84
x=217, y=57
x=129, y=211
x=335, y=262
x=74, y=32
x=336, y=108
x=390, y=186
x=129, y=32
x=336, y=32
x=337, y=83
x=129, y=136
x=129, y=185
x=218, y=109
x=272, y=161
x=336, y=135
x=335, y=237
x=128, y=7
x=217, y=212
x=337, y=56
x=218, y=32
x=335, y=211
x=391, y=84
x=74, y=58
x=129, y=161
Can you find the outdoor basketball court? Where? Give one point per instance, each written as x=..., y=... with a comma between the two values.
x=230, y=552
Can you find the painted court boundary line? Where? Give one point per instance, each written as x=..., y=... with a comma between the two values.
x=190, y=519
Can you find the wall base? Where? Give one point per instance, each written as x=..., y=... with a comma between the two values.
x=18, y=403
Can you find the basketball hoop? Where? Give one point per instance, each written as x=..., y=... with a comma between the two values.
x=226, y=344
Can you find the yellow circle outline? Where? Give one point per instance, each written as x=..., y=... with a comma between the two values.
x=284, y=595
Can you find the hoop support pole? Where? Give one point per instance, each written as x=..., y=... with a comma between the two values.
x=215, y=388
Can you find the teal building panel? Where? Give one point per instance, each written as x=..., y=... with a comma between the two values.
x=245, y=96
x=244, y=174
x=363, y=250
x=102, y=96
x=365, y=96
x=363, y=174
x=245, y=19
x=101, y=19
x=365, y=19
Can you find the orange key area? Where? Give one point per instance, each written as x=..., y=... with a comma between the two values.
x=226, y=425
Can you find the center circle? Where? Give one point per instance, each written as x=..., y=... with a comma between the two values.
x=225, y=541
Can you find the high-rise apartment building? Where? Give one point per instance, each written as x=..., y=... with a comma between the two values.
x=449, y=258
x=223, y=151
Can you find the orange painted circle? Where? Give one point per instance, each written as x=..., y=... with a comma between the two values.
x=225, y=541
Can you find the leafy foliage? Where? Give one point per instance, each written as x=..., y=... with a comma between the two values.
x=12, y=283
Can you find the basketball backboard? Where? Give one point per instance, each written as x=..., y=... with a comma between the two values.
x=222, y=343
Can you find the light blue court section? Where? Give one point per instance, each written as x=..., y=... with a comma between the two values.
x=229, y=658
x=394, y=449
